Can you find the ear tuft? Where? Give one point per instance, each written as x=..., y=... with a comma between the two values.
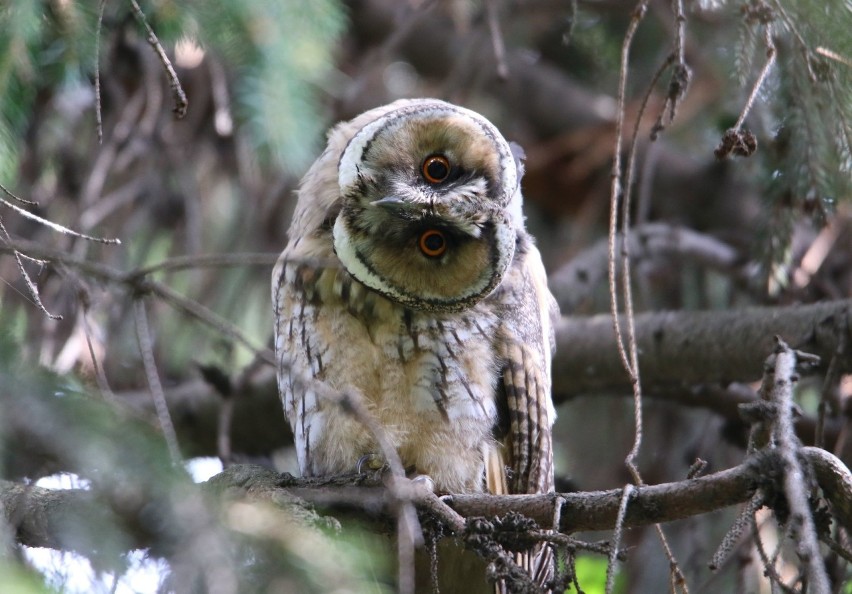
x=519, y=156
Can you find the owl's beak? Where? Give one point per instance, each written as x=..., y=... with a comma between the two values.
x=389, y=202
x=394, y=206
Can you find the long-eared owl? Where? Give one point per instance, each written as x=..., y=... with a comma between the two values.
x=410, y=281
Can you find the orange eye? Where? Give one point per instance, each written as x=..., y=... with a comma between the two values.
x=435, y=169
x=432, y=243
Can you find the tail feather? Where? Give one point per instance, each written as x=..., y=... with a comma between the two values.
x=538, y=563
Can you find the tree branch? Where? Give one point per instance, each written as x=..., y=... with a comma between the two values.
x=40, y=517
x=689, y=348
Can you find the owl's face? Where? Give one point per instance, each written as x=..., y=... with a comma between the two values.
x=430, y=206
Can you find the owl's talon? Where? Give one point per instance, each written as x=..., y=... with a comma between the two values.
x=425, y=480
x=369, y=463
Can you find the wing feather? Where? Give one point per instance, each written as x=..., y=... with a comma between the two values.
x=525, y=345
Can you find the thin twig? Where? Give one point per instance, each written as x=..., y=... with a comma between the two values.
x=32, y=289
x=837, y=548
x=678, y=580
x=795, y=482
x=146, y=350
x=616, y=187
x=617, y=533
x=409, y=533
x=100, y=375
x=497, y=43
x=736, y=140
x=195, y=261
x=743, y=521
x=768, y=564
x=98, y=111
x=178, y=94
x=758, y=84
x=623, y=193
x=681, y=74
x=203, y=314
x=55, y=226
x=18, y=198
x=137, y=280
x=630, y=362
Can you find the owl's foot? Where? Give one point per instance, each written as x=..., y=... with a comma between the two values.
x=369, y=463
x=425, y=480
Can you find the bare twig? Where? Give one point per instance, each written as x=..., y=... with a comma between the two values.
x=98, y=111
x=100, y=376
x=681, y=74
x=146, y=350
x=618, y=530
x=743, y=522
x=18, y=198
x=677, y=579
x=497, y=43
x=616, y=189
x=764, y=72
x=195, y=261
x=19, y=254
x=202, y=314
x=47, y=223
x=174, y=83
x=736, y=140
x=769, y=562
x=795, y=482
x=622, y=193
x=32, y=289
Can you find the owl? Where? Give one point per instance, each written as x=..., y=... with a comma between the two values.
x=410, y=283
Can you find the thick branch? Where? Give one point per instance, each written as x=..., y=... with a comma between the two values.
x=42, y=517
x=689, y=348
x=653, y=504
x=69, y=520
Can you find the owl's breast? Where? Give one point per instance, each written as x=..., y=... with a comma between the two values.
x=428, y=379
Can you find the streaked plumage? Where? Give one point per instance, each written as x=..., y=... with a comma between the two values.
x=413, y=284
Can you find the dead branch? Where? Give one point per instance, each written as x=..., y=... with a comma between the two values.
x=38, y=514
x=178, y=94
x=782, y=376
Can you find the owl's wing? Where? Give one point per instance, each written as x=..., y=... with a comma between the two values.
x=525, y=345
x=299, y=362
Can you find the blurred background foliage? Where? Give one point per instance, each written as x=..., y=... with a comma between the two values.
x=264, y=80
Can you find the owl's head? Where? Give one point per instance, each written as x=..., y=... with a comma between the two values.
x=430, y=205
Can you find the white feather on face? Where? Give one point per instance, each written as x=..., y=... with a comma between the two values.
x=431, y=242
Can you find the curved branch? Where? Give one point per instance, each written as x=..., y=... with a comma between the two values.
x=835, y=480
